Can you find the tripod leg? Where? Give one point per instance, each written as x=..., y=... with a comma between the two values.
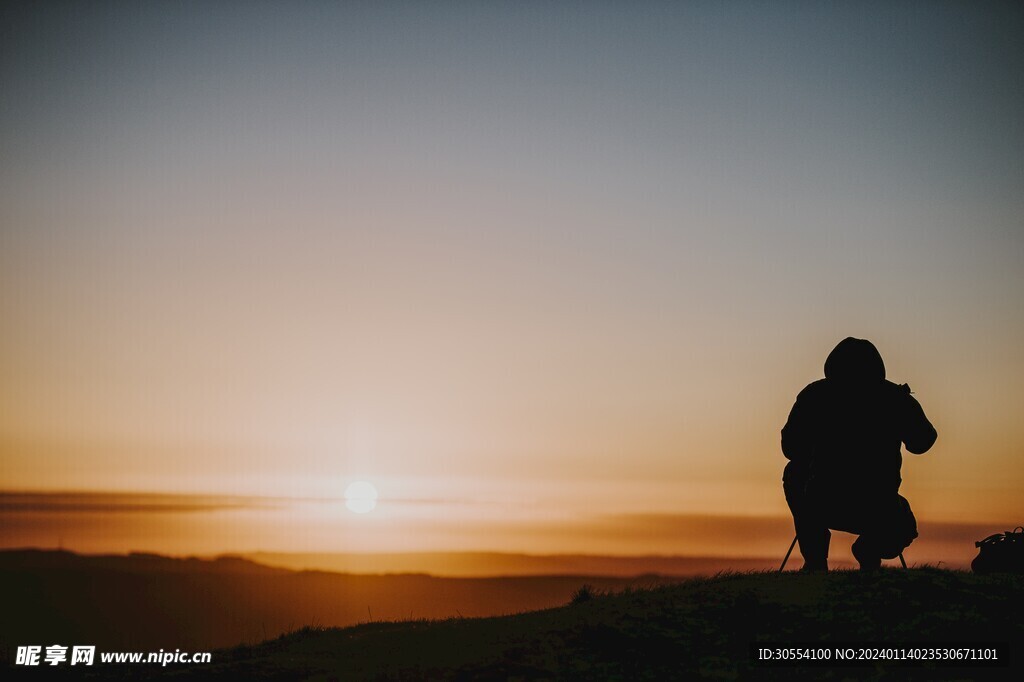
x=902, y=560
x=791, y=546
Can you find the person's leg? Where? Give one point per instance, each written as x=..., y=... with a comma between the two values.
x=811, y=531
x=814, y=539
x=900, y=531
x=886, y=533
x=866, y=552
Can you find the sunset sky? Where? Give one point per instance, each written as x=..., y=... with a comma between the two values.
x=547, y=274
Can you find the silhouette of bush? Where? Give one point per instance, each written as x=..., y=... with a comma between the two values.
x=584, y=594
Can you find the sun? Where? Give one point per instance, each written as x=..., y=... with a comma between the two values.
x=360, y=497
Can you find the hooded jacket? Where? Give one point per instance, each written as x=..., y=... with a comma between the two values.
x=845, y=431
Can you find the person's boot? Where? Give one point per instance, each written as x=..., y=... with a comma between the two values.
x=866, y=556
x=814, y=548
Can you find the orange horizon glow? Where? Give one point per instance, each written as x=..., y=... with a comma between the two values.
x=210, y=525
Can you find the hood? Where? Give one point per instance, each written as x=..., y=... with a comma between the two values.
x=855, y=360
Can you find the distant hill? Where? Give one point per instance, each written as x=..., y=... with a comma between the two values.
x=699, y=629
x=147, y=602
x=481, y=564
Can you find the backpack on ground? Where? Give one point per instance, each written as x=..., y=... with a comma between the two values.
x=1003, y=552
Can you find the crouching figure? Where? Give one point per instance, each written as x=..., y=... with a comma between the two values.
x=843, y=441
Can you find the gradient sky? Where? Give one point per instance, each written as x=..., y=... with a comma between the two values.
x=538, y=262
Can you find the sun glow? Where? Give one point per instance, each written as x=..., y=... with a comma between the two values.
x=360, y=497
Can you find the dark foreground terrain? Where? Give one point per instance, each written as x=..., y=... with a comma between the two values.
x=698, y=629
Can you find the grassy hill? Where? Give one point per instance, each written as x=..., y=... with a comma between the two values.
x=698, y=629
x=145, y=602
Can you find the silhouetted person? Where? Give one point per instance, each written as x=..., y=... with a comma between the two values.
x=842, y=441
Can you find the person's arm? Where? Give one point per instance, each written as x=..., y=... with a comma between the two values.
x=798, y=435
x=917, y=432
